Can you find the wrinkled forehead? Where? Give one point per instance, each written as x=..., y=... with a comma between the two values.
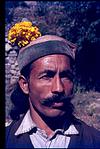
x=52, y=62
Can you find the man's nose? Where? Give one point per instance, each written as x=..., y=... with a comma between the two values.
x=57, y=86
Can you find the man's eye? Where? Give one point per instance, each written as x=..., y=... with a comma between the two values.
x=46, y=77
x=67, y=77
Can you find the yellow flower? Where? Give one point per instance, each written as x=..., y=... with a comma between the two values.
x=23, y=33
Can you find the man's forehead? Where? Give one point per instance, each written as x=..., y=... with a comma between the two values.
x=52, y=62
x=53, y=58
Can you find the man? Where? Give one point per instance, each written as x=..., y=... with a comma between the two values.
x=43, y=94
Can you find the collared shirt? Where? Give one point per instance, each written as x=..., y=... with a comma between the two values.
x=59, y=139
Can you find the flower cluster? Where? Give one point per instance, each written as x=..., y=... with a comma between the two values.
x=23, y=33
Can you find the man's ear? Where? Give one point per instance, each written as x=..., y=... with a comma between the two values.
x=23, y=83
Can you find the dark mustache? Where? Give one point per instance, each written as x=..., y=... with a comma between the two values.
x=55, y=98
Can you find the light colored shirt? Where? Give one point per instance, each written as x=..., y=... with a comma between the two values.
x=59, y=139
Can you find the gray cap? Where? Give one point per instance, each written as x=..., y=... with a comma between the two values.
x=45, y=45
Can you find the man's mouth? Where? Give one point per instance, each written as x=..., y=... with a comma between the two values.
x=57, y=104
x=55, y=101
x=62, y=103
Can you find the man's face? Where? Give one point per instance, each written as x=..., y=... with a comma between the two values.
x=50, y=77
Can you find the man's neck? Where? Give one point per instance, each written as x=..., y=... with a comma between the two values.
x=40, y=122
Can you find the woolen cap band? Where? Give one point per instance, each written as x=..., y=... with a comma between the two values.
x=45, y=45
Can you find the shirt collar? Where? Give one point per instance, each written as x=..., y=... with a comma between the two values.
x=71, y=130
x=27, y=124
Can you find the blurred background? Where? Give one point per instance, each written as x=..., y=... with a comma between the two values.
x=78, y=22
